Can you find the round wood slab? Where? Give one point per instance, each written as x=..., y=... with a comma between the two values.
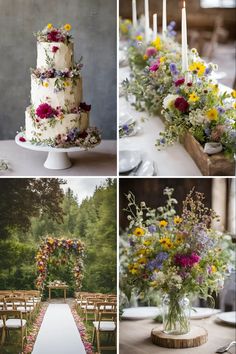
x=196, y=337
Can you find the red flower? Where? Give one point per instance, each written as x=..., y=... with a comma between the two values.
x=22, y=139
x=181, y=104
x=85, y=107
x=189, y=84
x=55, y=49
x=55, y=36
x=45, y=111
x=83, y=135
x=179, y=82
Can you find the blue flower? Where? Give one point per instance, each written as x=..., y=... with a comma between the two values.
x=207, y=131
x=208, y=70
x=220, y=110
x=173, y=67
x=157, y=263
x=152, y=228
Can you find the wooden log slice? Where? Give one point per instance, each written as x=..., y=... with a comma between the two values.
x=196, y=337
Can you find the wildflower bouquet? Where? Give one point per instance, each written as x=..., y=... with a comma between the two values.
x=195, y=104
x=177, y=255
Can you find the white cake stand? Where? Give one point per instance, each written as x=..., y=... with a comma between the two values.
x=57, y=158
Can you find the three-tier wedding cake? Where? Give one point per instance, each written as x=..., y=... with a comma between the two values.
x=57, y=115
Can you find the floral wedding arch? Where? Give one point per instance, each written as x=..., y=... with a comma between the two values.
x=48, y=247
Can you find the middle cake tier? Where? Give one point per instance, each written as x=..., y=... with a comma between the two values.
x=58, y=92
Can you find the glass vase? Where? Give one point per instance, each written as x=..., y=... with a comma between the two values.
x=176, y=314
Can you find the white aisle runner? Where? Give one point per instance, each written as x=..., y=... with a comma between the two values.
x=58, y=333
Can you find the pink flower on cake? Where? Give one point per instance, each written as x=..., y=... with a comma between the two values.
x=155, y=66
x=44, y=110
x=55, y=49
x=85, y=107
x=179, y=82
x=181, y=104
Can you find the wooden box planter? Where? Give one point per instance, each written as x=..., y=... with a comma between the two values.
x=209, y=165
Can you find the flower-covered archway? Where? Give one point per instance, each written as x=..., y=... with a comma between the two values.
x=49, y=247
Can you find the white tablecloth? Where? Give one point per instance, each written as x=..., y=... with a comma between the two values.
x=23, y=162
x=173, y=161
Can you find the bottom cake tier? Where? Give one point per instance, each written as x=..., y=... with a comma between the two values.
x=48, y=129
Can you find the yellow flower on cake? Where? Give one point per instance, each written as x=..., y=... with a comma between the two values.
x=49, y=26
x=67, y=83
x=45, y=84
x=67, y=27
x=157, y=43
x=139, y=231
x=162, y=59
x=198, y=68
x=193, y=97
x=213, y=269
x=212, y=114
x=145, y=57
x=214, y=88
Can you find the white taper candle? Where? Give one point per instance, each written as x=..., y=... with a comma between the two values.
x=154, y=26
x=147, y=26
x=134, y=13
x=164, y=18
x=184, y=40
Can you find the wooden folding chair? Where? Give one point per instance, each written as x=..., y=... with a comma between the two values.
x=105, y=324
x=12, y=320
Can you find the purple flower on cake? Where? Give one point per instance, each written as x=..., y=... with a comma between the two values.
x=85, y=107
x=44, y=110
x=55, y=49
x=179, y=82
x=151, y=51
x=155, y=66
x=173, y=69
x=181, y=104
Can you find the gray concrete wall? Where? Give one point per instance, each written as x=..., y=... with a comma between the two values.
x=94, y=31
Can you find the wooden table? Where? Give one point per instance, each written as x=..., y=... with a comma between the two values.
x=63, y=287
x=135, y=337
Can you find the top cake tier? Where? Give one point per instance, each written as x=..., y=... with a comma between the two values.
x=55, y=48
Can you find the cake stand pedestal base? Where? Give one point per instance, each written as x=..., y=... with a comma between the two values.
x=57, y=161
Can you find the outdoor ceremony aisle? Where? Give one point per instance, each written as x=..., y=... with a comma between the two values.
x=58, y=333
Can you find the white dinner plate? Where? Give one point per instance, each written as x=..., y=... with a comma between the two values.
x=228, y=317
x=128, y=160
x=202, y=312
x=140, y=313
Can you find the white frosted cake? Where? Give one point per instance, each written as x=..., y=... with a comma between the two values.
x=57, y=115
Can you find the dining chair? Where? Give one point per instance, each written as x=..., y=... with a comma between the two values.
x=105, y=325
x=12, y=320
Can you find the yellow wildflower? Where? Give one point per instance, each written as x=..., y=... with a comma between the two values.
x=212, y=114
x=139, y=38
x=179, y=238
x=213, y=269
x=45, y=84
x=124, y=29
x=133, y=268
x=142, y=260
x=193, y=97
x=234, y=105
x=166, y=243
x=153, y=283
x=139, y=231
x=214, y=88
x=67, y=27
x=233, y=93
x=177, y=220
x=163, y=223
x=66, y=83
x=157, y=43
x=162, y=59
x=49, y=26
x=145, y=57
x=147, y=243
x=198, y=67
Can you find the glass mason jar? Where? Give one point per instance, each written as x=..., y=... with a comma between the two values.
x=176, y=314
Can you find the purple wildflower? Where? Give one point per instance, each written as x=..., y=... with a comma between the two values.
x=152, y=229
x=157, y=263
